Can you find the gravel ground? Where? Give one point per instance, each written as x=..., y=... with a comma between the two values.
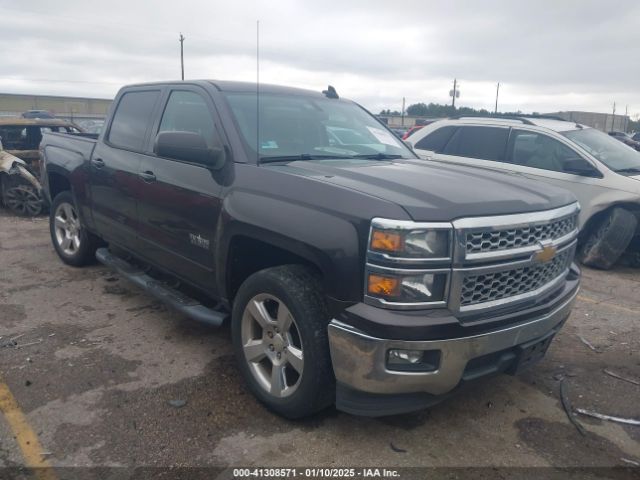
x=96, y=390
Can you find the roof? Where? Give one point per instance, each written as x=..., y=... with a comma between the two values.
x=43, y=122
x=550, y=123
x=230, y=86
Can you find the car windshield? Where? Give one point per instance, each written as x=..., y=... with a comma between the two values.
x=298, y=127
x=613, y=153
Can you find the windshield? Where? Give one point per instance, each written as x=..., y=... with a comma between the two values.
x=613, y=153
x=306, y=127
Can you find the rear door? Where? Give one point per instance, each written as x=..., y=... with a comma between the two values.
x=484, y=146
x=180, y=201
x=115, y=165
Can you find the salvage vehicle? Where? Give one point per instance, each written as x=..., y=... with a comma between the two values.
x=21, y=136
x=20, y=190
x=603, y=173
x=351, y=273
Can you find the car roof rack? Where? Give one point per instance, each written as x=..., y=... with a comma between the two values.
x=521, y=118
x=494, y=117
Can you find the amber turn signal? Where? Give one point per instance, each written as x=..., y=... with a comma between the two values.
x=388, y=241
x=383, y=286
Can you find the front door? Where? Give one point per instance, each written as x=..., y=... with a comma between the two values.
x=180, y=201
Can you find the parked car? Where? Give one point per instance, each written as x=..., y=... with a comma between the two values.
x=412, y=130
x=37, y=114
x=399, y=131
x=603, y=173
x=91, y=126
x=20, y=190
x=626, y=139
x=350, y=270
x=21, y=136
x=636, y=136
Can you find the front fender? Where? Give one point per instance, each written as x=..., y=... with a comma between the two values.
x=328, y=241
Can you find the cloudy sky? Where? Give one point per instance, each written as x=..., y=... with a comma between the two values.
x=547, y=55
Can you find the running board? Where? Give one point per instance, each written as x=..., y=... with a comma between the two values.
x=184, y=304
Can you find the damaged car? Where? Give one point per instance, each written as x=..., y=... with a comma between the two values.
x=21, y=137
x=20, y=190
x=603, y=173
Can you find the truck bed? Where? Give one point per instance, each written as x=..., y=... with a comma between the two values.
x=81, y=145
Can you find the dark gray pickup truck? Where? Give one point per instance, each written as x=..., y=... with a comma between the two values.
x=351, y=271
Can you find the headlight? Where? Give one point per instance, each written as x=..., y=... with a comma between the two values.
x=394, y=239
x=406, y=287
x=408, y=263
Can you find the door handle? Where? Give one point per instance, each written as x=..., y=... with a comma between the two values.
x=148, y=176
x=97, y=162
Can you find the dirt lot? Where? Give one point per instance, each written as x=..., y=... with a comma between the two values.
x=96, y=390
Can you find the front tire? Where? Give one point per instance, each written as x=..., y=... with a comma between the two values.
x=73, y=243
x=279, y=332
x=609, y=239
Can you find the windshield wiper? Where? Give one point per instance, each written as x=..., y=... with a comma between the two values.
x=302, y=156
x=628, y=170
x=378, y=156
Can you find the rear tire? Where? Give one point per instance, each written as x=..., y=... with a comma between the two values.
x=73, y=243
x=279, y=332
x=609, y=239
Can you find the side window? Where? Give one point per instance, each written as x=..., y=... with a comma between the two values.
x=188, y=112
x=485, y=143
x=131, y=119
x=537, y=150
x=436, y=140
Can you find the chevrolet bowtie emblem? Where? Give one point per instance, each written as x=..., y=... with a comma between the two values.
x=546, y=254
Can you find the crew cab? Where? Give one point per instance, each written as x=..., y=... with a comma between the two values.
x=351, y=271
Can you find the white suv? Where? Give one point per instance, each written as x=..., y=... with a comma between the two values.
x=603, y=173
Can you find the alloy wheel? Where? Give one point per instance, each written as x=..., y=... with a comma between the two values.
x=23, y=200
x=272, y=345
x=67, y=228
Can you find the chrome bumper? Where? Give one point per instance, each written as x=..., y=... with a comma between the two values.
x=359, y=361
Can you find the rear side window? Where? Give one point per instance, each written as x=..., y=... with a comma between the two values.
x=436, y=140
x=485, y=143
x=131, y=119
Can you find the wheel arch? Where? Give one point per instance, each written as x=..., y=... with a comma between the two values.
x=594, y=220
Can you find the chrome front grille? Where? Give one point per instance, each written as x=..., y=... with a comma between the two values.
x=523, y=236
x=513, y=282
x=510, y=258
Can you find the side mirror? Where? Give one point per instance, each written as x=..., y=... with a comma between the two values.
x=579, y=166
x=190, y=147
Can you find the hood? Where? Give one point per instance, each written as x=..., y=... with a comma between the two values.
x=432, y=191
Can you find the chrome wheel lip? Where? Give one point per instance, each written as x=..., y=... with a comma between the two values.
x=274, y=345
x=67, y=229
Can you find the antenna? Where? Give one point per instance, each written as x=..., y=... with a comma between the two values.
x=257, y=91
x=182, y=54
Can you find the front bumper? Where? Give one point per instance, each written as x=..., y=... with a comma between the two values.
x=367, y=387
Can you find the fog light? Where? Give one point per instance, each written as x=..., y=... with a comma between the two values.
x=413, y=360
x=404, y=357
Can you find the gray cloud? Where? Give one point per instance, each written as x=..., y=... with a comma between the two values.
x=548, y=55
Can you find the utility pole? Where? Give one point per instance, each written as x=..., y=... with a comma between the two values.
x=626, y=118
x=613, y=120
x=497, y=91
x=454, y=93
x=402, y=111
x=182, y=55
